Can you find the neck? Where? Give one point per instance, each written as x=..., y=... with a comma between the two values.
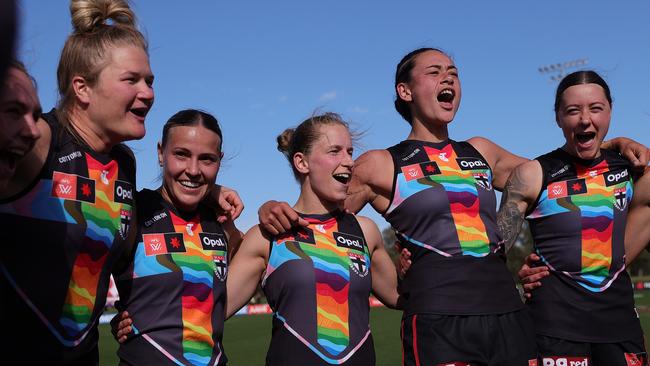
x=309, y=203
x=83, y=126
x=431, y=132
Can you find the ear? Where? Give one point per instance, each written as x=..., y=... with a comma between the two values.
x=404, y=92
x=160, y=154
x=301, y=163
x=81, y=89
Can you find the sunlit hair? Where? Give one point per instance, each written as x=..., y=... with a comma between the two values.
x=192, y=117
x=302, y=138
x=403, y=75
x=98, y=27
x=579, y=78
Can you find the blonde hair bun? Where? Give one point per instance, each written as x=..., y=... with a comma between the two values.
x=87, y=15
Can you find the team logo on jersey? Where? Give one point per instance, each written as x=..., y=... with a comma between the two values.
x=483, y=180
x=123, y=192
x=220, y=266
x=443, y=156
x=620, y=198
x=421, y=170
x=104, y=177
x=532, y=362
x=576, y=186
x=156, y=244
x=349, y=241
x=358, y=263
x=73, y=187
x=125, y=222
x=635, y=359
x=213, y=241
x=471, y=164
x=304, y=235
x=557, y=190
x=615, y=177
x=565, y=361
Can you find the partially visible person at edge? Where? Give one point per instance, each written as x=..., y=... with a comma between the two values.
x=174, y=288
x=317, y=278
x=71, y=199
x=20, y=109
x=439, y=197
x=8, y=27
x=577, y=199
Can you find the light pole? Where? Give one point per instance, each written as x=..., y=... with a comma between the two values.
x=558, y=71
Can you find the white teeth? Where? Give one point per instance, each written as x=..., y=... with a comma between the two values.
x=343, y=175
x=446, y=91
x=189, y=184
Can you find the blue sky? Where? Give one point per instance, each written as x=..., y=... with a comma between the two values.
x=261, y=67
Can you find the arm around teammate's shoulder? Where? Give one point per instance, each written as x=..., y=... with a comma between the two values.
x=500, y=160
x=246, y=269
x=637, y=228
x=519, y=194
x=382, y=269
x=372, y=180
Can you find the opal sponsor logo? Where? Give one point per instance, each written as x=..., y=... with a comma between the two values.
x=612, y=178
x=565, y=361
x=213, y=241
x=123, y=192
x=349, y=241
x=471, y=164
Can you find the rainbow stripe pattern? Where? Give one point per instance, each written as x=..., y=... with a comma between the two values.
x=594, y=201
x=103, y=222
x=197, y=298
x=332, y=274
x=101, y=218
x=461, y=189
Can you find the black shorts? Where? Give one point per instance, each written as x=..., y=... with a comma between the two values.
x=459, y=340
x=561, y=352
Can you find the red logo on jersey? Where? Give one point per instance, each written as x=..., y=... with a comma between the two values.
x=565, y=361
x=412, y=172
x=635, y=359
x=454, y=364
x=532, y=362
x=557, y=190
x=64, y=186
x=154, y=244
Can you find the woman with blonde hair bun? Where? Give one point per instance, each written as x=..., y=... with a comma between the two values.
x=70, y=205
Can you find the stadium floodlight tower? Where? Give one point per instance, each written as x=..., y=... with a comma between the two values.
x=559, y=70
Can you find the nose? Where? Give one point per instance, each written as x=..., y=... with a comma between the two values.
x=192, y=168
x=448, y=78
x=348, y=162
x=30, y=131
x=146, y=93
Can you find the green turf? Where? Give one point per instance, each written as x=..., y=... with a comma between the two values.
x=246, y=338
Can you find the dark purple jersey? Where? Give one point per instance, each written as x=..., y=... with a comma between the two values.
x=318, y=282
x=578, y=227
x=175, y=289
x=443, y=209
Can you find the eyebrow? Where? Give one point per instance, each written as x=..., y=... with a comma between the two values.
x=439, y=67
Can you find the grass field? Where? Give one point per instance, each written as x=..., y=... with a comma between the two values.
x=246, y=338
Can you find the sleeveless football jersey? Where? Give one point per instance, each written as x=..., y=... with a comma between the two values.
x=443, y=209
x=578, y=227
x=69, y=227
x=317, y=282
x=175, y=289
